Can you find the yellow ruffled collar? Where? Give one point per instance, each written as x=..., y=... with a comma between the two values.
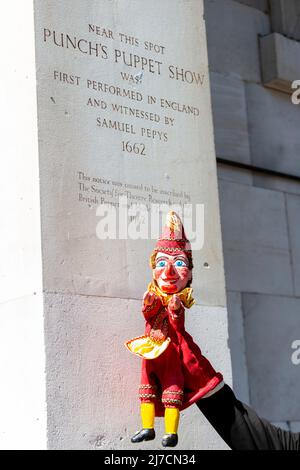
x=185, y=295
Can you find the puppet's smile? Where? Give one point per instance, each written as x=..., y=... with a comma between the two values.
x=170, y=281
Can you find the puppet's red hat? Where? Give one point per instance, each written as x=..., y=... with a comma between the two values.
x=173, y=239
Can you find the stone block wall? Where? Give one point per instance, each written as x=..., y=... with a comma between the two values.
x=258, y=146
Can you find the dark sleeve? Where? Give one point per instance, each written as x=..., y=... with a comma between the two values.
x=241, y=428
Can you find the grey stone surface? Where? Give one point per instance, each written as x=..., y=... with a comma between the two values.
x=72, y=144
x=260, y=248
x=91, y=285
x=271, y=326
x=274, y=130
x=236, y=343
x=230, y=118
x=228, y=172
x=277, y=183
x=280, y=60
x=92, y=380
x=232, y=30
x=259, y=4
x=23, y=419
x=255, y=239
x=293, y=210
x=285, y=16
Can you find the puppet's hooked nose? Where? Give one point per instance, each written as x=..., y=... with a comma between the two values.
x=170, y=272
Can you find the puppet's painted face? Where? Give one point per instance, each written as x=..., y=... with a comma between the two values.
x=172, y=273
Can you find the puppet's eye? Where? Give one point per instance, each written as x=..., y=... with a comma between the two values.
x=180, y=263
x=161, y=264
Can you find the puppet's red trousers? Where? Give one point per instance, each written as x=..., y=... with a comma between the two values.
x=162, y=379
x=177, y=378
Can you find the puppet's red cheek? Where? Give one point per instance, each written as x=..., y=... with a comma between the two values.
x=157, y=273
x=183, y=272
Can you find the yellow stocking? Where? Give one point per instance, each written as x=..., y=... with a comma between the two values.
x=148, y=415
x=171, y=420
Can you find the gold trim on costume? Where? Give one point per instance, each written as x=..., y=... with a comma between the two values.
x=148, y=395
x=146, y=348
x=173, y=222
x=171, y=402
x=172, y=250
x=148, y=386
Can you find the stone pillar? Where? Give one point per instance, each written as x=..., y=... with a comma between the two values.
x=285, y=18
x=22, y=363
x=123, y=110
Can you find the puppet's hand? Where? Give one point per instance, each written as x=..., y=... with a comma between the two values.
x=151, y=304
x=149, y=298
x=175, y=307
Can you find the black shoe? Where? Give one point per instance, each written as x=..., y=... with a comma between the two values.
x=143, y=435
x=170, y=440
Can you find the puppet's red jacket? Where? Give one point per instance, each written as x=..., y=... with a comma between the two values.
x=174, y=371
